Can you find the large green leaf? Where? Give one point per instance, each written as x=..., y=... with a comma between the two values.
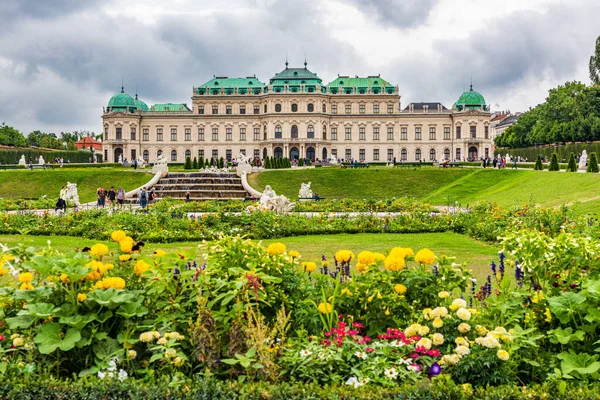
x=20, y=322
x=132, y=309
x=51, y=337
x=565, y=305
x=110, y=297
x=581, y=363
x=564, y=336
x=40, y=310
x=79, y=321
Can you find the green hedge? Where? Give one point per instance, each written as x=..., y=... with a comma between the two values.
x=12, y=156
x=563, y=151
x=202, y=388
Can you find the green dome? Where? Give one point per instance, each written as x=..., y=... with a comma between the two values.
x=140, y=104
x=121, y=100
x=470, y=100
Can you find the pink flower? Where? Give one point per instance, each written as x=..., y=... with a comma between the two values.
x=433, y=353
x=325, y=342
x=352, y=332
x=420, y=349
x=370, y=350
x=342, y=324
x=1, y=338
x=414, y=356
x=357, y=325
x=327, y=334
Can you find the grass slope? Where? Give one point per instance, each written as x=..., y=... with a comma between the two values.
x=360, y=183
x=477, y=255
x=34, y=184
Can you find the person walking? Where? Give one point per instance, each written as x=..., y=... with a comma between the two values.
x=514, y=163
x=101, y=197
x=187, y=197
x=120, y=196
x=143, y=197
x=61, y=204
x=112, y=195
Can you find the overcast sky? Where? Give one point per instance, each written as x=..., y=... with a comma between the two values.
x=61, y=60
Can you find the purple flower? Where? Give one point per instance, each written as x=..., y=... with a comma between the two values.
x=435, y=369
x=518, y=274
x=493, y=265
x=436, y=272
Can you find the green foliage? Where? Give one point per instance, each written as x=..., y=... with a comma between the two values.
x=188, y=163
x=594, y=65
x=221, y=163
x=201, y=163
x=195, y=164
x=539, y=166
x=301, y=162
x=592, y=163
x=554, y=163
x=572, y=167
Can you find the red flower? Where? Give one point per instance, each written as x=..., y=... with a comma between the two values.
x=325, y=342
x=357, y=325
x=433, y=353
x=370, y=350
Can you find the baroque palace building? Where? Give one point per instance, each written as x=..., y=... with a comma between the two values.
x=295, y=115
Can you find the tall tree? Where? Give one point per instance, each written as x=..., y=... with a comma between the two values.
x=595, y=63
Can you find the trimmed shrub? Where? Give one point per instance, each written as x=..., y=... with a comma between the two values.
x=572, y=167
x=188, y=163
x=195, y=163
x=592, y=163
x=201, y=162
x=221, y=163
x=10, y=156
x=539, y=166
x=554, y=163
x=301, y=162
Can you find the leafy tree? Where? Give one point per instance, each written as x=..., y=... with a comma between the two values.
x=539, y=166
x=554, y=163
x=188, y=163
x=9, y=136
x=592, y=163
x=595, y=63
x=572, y=167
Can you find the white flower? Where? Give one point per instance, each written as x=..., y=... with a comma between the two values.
x=463, y=314
x=361, y=354
x=111, y=375
x=353, y=381
x=458, y=303
x=391, y=373
x=404, y=361
x=462, y=350
x=122, y=375
x=101, y=374
x=464, y=327
x=112, y=365
x=413, y=367
x=305, y=353
x=397, y=343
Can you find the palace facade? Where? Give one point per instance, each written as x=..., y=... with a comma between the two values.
x=295, y=115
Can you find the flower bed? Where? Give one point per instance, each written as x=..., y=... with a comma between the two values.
x=115, y=314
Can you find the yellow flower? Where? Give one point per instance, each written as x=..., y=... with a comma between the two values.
x=124, y=257
x=425, y=256
x=117, y=236
x=81, y=297
x=174, y=335
x=99, y=249
x=402, y=252
x=325, y=308
x=26, y=286
x=132, y=354
x=170, y=353
x=18, y=342
x=276, y=248
x=102, y=268
x=294, y=254
x=400, y=288
x=464, y=327
x=443, y=295
x=64, y=278
x=344, y=256
x=309, y=266
x=346, y=292
x=362, y=268
x=437, y=323
x=126, y=244
x=366, y=258
x=3, y=271
x=394, y=263
x=146, y=337
x=412, y=330
x=162, y=340
x=159, y=253
x=548, y=315
x=503, y=355
x=110, y=283
x=426, y=313
x=537, y=297
x=140, y=267
x=178, y=361
x=481, y=331
x=423, y=330
x=378, y=257
x=97, y=268
x=26, y=277
x=458, y=303
x=463, y=314
x=438, y=339
x=424, y=342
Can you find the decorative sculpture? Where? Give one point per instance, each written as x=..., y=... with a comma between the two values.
x=305, y=192
x=583, y=160
x=269, y=201
x=160, y=164
x=72, y=194
x=22, y=161
x=41, y=160
x=141, y=163
x=214, y=170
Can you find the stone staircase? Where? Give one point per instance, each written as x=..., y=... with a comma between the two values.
x=202, y=186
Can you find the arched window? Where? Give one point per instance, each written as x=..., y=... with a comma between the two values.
x=278, y=132
x=173, y=155
x=311, y=107
x=188, y=153
x=278, y=152
x=294, y=132
x=294, y=107
x=446, y=154
x=324, y=107
x=418, y=155
x=324, y=131
x=310, y=133
x=277, y=107
x=146, y=155
x=404, y=155
x=432, y=155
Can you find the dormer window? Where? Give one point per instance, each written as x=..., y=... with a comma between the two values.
x=295, y=73
x=375, y=82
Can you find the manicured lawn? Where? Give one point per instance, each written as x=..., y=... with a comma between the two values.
x=334, y=182
x=37, y=183
x=477, y=255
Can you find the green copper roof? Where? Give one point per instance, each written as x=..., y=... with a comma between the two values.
x=121, y=100
x=171, y=107
x=140, y=104
x=295, y=76
x=231, y=85
x=470, y=100
x=371, y=81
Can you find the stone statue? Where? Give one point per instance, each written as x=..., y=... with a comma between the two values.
x=281, y=204
x=305, y=192
x=214, y=170
x=160, y=160
x=41, y=160
x=508, y=158
x=160, y=164
x=121, y=159
x=583, y=160
x=334, y=159
x=141, y=162
x=269, y=201
x=22, y=160
x=72, y=194
x=243, y=165
x=267, y=195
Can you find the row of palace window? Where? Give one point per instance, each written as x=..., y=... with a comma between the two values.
x=310, y=133
x=188, y=153
x=310, y=107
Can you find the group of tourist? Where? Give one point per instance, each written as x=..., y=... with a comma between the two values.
x=109, y=197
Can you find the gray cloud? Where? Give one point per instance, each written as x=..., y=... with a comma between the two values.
x=399, y=13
